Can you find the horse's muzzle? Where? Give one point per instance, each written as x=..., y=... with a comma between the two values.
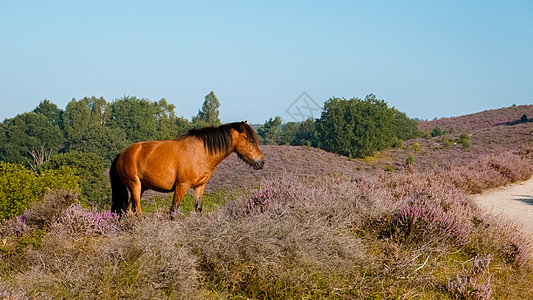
x=258, y=164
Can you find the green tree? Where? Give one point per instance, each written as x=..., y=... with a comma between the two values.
x=405, y=128
x=137, y=117
x=3, y=141
x=100, y=110
x=76, y=119
x=288, y=131
x=105, y=141
x=523, y=119
x=167, y=122
x=208, y=114
x=27, y=132
x=306, y=134
x=81, y=114
x=51, y=111
x=270, y=132
x=90, y=168
x=182, y=125
x=356, y=127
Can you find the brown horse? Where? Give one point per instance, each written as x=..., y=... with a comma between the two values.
x=178, y=165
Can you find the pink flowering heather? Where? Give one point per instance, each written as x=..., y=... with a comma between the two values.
x=78, y=220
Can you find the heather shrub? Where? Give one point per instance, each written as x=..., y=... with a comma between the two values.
x=465, y=285
x=150, y=261
x=79, y=221
x=43, y=213
x=421, y=223
x=490, y=171
x=511, y=166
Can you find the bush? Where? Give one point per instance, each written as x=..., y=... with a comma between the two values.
x=20, y=187
x=90, y=168
x=464, y=139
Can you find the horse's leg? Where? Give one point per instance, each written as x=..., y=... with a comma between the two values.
x=136, y=192
x=198, y=195
x=181, y=189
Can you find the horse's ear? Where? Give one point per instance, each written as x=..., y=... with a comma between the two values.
x=241, y=127
x=245, y=122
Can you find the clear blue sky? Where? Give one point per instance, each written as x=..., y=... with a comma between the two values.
x=426, y=58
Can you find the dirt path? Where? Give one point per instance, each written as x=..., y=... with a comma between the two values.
x=514, y=201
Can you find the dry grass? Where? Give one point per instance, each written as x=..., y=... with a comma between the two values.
x=395, y=235
x=313, y=225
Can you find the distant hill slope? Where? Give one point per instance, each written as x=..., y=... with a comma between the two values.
x=490, y=131
x=480, y=120
x=233, y=172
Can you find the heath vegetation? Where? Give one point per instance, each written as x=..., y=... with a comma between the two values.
x=312, y=224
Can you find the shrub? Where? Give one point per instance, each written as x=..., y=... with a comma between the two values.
x=20, y=187
x=464, y=139
x=436, y=132
x=421, y=222
x=90, y=168
x=446, y=143
x=465, y=285
x=409, y=161
x=523, y=119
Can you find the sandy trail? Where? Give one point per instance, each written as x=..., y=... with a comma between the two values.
x=514, y=201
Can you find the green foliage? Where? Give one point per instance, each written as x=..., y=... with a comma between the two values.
x=20, y=187
x=137, y=117
x=355, y=126
x=208, y=114
x=27, y=132
x=425, y=134
x=51, y=111
x=404, y=127
x=288, y=132
x=410, y=159
x=270, y=132
x=166, y=120
x=104, y=141
x=446, y=143
x=76, y=119
x=523, y=119
x=396, y=143
x=90, y=168
x=436, y=132
x=464, y=139
x=416, y=146
x=306, y=134
x=273, y=132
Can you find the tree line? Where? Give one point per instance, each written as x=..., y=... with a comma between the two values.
x=90, y=132
x=353, y=127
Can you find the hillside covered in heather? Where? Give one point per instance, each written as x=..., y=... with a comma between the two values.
x=489, y=132
x=399, y=224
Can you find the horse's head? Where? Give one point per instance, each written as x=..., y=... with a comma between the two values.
x=246, y=145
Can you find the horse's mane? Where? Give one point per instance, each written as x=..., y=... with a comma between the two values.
x=219, y=139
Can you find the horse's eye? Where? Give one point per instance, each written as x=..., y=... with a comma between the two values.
x=252, y=142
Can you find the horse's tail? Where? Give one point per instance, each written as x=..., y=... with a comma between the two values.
x=119, y=191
